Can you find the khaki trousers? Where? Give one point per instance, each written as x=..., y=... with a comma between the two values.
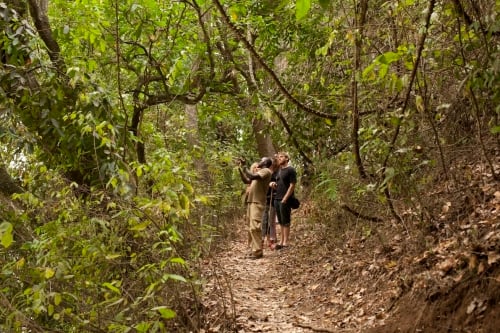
x=254, y=223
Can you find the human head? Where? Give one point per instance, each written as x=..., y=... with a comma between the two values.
x=254, y=166
x=275, y=165
x=265, y=162
x=283, y=158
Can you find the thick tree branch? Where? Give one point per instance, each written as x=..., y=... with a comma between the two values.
x=38, y=11
x=292, y=137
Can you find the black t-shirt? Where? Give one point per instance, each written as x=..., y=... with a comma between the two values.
x=272, y=190
x=284, y=178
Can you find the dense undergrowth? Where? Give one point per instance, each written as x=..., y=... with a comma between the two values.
x=119, y=130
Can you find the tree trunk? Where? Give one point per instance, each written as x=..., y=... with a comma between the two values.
x=194, y=140
x=265, y=145
x=8, y=185
x=359, y=24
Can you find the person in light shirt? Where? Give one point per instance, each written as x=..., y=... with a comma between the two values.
x=256, y=202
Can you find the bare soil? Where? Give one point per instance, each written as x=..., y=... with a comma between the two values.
x=393, y=279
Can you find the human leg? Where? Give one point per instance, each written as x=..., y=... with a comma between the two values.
x=286, y=215
x=247, y=222
x=276, y=206
x=255, y=228
x=272, y=227
x=265, y=222
x=272, y=223
x=286, y=233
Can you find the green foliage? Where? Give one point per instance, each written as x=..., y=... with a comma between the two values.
x=302, y=8
x=107, y=239
x=85, y=263
x=6, y=237
x=14, y=39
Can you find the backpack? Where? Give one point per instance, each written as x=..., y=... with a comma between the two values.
x=294, y=202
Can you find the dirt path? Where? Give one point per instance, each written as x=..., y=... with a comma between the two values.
x=365, y=277
x=261, y=295
x=357, y=287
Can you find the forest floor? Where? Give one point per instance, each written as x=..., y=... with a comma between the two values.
x=391, y=280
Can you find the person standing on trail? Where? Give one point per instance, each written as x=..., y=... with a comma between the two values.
x=253, y=169
x=256, y=202
x=269, y=217
x=285, y=186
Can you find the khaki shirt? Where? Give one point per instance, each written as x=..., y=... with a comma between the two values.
x=258, y=188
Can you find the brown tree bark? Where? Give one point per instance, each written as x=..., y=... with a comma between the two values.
x=8, y=185
x=360, y=18
x=38, y=11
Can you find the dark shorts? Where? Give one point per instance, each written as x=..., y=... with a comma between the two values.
x=284, y=213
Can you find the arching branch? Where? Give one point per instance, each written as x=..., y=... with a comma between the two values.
x=240, y=36
x=360, y=215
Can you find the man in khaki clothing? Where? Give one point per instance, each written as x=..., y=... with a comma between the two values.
x=256, y=202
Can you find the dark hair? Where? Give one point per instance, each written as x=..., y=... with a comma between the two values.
x=266, y=162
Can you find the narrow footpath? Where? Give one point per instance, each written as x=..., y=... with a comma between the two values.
x=263, y=295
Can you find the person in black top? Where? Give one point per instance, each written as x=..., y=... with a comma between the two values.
x=285, y=186
x=268, y=220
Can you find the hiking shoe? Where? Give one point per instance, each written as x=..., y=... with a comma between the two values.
x=255, y=256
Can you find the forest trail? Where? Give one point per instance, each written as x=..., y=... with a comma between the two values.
x=373, y=280
x=271, y=294
x=263, y=300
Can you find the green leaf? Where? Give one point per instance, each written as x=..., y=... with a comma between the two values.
x=140, y=226
x=184, y=201
x=302, y=8
x=143, y=327
x=111, y=287
x=112, y=256
x=6, y=237
x=165, y=312
x=57, y=299
x=383, y=69
x=324, y=3
x=174, y=277
x=388, y=57
x=50, y=310
x=178, y=260
x=49, y=272
x=495, y=130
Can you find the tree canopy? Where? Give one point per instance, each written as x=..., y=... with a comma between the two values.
x=121, y=122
